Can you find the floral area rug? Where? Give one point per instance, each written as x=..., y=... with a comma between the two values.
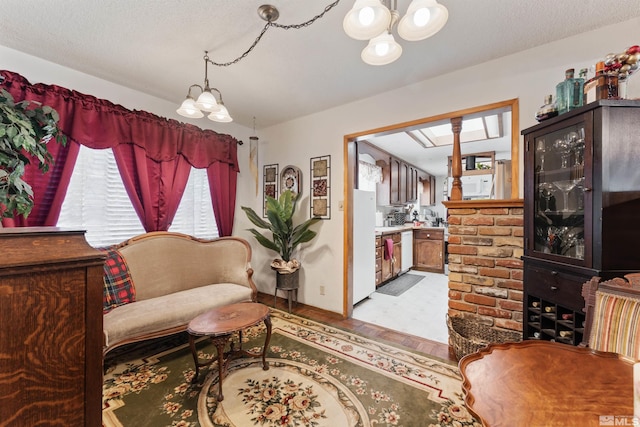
x=317, y=376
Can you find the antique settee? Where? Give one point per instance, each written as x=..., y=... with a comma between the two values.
x=156, y=283
x=613, y=315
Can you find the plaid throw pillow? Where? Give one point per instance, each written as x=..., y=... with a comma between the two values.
x=118, y=286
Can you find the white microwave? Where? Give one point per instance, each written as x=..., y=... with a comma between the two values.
x=474, y=186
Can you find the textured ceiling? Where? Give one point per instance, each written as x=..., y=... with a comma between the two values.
x=156, y=46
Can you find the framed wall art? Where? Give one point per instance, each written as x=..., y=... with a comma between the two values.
x=270, y=184
x=291, y=179
x=321, y=187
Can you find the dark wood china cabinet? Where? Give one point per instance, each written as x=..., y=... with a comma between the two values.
x=582, y=212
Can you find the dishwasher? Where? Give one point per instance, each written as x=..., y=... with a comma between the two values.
x=407, y=250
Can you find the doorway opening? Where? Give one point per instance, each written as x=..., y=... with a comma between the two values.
x=418, y=144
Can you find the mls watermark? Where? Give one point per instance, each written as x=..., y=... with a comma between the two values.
x=619, y=420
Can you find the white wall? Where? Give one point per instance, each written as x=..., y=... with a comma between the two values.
x=528, y=75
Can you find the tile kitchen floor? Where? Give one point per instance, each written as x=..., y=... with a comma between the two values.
x=420, y=311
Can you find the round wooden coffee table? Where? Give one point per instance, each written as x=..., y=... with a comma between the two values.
x=220, y=324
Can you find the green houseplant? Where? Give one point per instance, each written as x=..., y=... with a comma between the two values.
x=26, y=128
x=285, y=237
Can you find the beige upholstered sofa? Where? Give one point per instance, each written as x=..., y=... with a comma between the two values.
x=177, y=277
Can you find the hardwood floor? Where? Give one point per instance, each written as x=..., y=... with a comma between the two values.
x=363, y=328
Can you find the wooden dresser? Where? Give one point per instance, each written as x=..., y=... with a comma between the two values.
x=50, y=328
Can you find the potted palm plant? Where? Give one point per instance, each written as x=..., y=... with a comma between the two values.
x=285, y=237
x=26, y=128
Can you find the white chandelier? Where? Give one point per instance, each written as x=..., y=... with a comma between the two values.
x=373, y=20
x=206, y=102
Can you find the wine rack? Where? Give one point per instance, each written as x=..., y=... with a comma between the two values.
x=552, y=322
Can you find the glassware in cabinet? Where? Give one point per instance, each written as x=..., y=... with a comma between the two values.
x=559, y=192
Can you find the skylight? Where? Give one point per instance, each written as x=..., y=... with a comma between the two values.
x=474, y=129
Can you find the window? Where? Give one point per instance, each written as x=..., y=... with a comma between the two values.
x=97, y=202
x=195, y=213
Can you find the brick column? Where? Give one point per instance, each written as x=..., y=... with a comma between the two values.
x=486, y=242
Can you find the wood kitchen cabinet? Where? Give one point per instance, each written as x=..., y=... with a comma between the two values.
x=582, y=198
x=404, y=180
x=428, y=195
x=412, y=184
x=378, y=260
x=390, y=267
x=428, y=250
x=400, y=180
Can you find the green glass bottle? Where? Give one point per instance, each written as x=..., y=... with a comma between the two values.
x=569, y=93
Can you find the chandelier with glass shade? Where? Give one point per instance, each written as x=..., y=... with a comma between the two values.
x=206, y=102
x=374, y=20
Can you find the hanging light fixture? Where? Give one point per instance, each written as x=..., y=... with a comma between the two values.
x=373, y=20
x=206, y=101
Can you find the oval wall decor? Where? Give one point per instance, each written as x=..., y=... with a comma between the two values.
x=291, y=179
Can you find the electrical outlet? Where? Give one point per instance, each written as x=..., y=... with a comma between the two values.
x=321, y=290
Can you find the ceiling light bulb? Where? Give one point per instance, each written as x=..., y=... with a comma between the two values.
x=206, y=101
x=366, y=16
x=188, y=109
x=423, y=19
x=366, y=19
x=220, y=115
x=381, y=50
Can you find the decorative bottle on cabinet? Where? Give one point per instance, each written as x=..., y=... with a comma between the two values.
x=569, y=92
x=548, y=110
x=582, y=159
x=601, y=86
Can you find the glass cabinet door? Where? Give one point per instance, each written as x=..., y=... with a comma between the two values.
x=559, y=196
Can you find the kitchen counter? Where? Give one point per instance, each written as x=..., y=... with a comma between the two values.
x=406, y=227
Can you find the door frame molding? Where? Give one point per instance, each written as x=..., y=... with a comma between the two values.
x=350, y=162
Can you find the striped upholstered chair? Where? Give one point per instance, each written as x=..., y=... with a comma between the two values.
x=613, y=315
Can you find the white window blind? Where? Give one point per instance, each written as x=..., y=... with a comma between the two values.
x=195, y=212
x=97, y=202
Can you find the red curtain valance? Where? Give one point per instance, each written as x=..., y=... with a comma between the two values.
x=98, y=123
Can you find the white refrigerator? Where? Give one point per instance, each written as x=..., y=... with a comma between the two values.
x=364, y=244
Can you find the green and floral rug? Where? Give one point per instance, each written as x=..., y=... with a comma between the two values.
x=318, y=376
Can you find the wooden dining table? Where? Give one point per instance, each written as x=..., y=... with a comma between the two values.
x=546, y=384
